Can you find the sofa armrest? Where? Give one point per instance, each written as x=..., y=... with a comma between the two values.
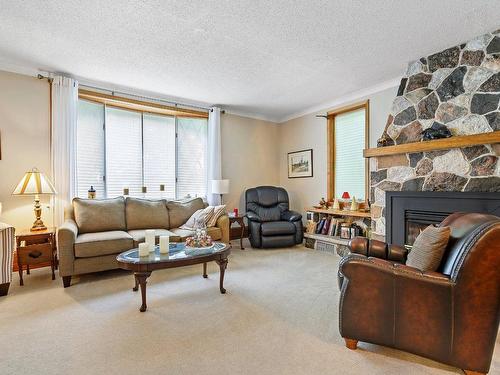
x=291, y=216
x=223, y=224
x=378, y=249
x=252, y=216
x=66, y=237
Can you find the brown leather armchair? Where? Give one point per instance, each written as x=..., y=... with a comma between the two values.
x=451, y=316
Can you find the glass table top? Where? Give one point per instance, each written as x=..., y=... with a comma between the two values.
x=177, y=251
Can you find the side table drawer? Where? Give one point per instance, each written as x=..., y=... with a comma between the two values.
x=34, y=254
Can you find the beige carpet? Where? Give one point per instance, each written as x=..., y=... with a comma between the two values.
x=278, y=317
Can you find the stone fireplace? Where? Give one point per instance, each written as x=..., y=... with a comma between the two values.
x=458, y=89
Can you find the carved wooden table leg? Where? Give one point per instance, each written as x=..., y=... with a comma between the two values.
x=20, y=269
x=136, y=287
x=141, y=278
x=222, y=266
x=242, y=234
x=205, y=270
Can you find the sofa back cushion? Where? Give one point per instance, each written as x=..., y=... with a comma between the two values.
x=180, y=211
x=99, y=215
x=146, y=214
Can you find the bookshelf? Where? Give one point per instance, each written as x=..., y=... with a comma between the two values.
x=346, y=213
x=330, y=241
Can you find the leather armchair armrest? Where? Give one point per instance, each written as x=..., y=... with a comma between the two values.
x=378, y=249
x=290, y=215
x=66, y=237
x=252, y=216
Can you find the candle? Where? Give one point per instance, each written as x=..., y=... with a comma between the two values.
x=150, y=239
x=126, y=191
x=164, y=244
x=143, y=249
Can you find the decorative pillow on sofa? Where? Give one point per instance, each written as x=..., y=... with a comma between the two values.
x=203, y=214
x=218, y=212
x=428, y=248
x=99, y=215
x=180, y=211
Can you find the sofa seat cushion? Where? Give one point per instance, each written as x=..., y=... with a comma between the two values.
x=139, y=235
x=277, y=228
x=182, y=234
x=146, y=213
x=99, y=215
x=102, y=243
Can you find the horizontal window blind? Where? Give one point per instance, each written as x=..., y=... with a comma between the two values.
x=159, y=155
x=191, y=157
x=349, y=130
x=123, y=152
x=119, y=148
x=90, y=149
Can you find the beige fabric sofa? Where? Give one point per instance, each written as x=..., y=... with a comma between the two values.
x=96, y=230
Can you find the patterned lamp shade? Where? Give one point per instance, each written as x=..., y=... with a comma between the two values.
x=34, y=182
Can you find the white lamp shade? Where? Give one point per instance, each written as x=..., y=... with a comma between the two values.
x=220, y=186
x=34, y=182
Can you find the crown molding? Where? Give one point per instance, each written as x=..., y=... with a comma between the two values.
x=355, y=95
x=33, y=72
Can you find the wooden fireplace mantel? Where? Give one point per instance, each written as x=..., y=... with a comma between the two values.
x=438, y=144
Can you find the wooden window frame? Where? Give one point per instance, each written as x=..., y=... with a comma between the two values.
x=331, y=145
x=138, y=105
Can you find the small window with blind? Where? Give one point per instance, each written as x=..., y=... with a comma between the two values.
x=347, y=138
x=124, y=148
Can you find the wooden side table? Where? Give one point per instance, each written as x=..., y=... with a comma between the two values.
x=241, y=223
x=36, y=248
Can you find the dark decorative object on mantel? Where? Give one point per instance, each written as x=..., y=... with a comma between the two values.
x=436, y=131
x=385, y=140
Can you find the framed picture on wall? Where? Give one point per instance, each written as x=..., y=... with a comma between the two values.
x=300, y=164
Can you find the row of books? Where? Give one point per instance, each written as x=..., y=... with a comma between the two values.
x=326, y=225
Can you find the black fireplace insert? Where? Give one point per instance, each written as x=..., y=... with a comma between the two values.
x=409, y=212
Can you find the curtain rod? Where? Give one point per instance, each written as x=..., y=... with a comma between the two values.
x=113, y=92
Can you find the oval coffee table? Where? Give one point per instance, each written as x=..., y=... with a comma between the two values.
x=178, y=256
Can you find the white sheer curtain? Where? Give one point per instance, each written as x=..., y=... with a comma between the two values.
x=63, y=150
x=214, y=167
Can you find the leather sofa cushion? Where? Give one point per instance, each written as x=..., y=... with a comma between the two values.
x=102, y=243
x=139, y=235
x=146, y=213
x=276, y=228
x=180, y=211
x=99, y=215
x=214, y=232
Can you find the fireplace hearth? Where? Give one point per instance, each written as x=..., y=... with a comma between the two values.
x=407, y=213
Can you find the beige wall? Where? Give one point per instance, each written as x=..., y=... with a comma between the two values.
x=310, y=132
x=24, y=131
x=254, y=152
x=249, y=156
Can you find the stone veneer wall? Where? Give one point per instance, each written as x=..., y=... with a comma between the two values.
x=459, y=88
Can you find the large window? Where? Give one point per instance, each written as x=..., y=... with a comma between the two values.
x=119, y=148
x=347, y=138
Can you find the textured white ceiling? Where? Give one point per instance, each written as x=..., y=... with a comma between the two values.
x=270, y=59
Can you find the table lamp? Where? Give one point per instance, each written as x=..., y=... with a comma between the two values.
x=220, y=187
x=35, y=183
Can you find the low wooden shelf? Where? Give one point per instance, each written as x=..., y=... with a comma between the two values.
x=438, y=144
x=339, y=212
x=325, y=238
